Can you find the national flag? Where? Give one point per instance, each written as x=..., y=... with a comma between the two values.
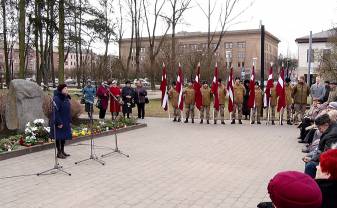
x=197, y=87
x=270, y=84
x=163, y=88
x=179, y=88
x=280, y=91
x=251, y=99
x=215, y=87
x=230, y=91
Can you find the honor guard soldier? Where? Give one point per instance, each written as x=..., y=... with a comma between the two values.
x=189, y=97
x=258, y=104
x=273, y=103
x=174, y=97
x=206, y=102
x=289, y=100
x=222, y=99
x=239, y=91
x=301, y=92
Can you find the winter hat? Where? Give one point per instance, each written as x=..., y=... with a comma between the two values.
x=328, y=163
x=292, y=189
x=333, y=105
x=60, y=87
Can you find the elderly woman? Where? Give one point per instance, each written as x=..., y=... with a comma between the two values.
x=60, y=123
x=103, y=99
x=141, y=94
x=115, y=96
x=128, y=96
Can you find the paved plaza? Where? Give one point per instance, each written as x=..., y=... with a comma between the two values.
x=170, y=165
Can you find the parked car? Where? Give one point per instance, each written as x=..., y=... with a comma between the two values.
x=70, y=82
x=144, y=82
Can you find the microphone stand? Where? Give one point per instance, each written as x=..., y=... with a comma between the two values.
x=116, y=150
x=57, y=167
x=92, y=156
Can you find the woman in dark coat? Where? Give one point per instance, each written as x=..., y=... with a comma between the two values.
x=62, y=120
x=245, y=109
x=141, y=94
x=103, y=95
x=128, y=96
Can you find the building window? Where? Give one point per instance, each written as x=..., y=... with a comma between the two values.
x=193, y=47
x=204, y=46
x=243, y=64
x=241, y=44
x=312, y=55
x=229, y=45
x=241, y=55
x=142, y=50
x=239, y=64
x=228, y=55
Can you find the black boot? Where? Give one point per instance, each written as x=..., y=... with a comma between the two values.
x=233, y=121
x=192, y=120
x=258, y=122
x=179, y=119
x=289, y=122
x=174, y=120
x=240, y=122
x=252, y=122
x=186, y=120
x=222, y=122
x=201, y=121
x=62, y=149
x=281, y=123
x=272, y=123
x=207, y=121
x=214, y=121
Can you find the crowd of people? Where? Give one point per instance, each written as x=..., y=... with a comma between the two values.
x=296, y=97
x=118, y=99
x=316, y=186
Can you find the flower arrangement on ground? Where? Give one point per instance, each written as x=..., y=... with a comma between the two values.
x=35, y=132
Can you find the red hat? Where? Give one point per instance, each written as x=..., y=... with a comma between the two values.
x=292, y=189
x=328, y=163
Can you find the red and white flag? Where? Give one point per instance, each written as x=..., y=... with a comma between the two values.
x=180, y=87
x=215, y=87
x=270, y=84
x=230, y=91
x=197, y=87
x=251, y=99
x=280, y=91
x=163, y=88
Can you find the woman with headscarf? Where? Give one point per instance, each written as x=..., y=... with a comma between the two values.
x=115, y=106
x=60, y=123
x=103, y=99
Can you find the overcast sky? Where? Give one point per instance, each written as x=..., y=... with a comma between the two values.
x=286, y=19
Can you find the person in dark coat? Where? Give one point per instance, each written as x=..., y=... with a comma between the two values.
x=327, y=91
x=326, y=178
x=103, y=95
x=128, y=96
x=141, y=94
x=61, y=121
x=245, y=108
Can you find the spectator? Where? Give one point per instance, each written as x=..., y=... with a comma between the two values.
x=292, y=189
x=333, y=92
x=141, y=94
x=89, y=93
x=61, y=123
x=103, y=99
x=317, y=90
x=115, y=100
x=326, y=178
x=245, y=108
x=128, y=96
x=327, y=91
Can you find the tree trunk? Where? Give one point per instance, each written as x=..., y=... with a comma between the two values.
x=61, y=42
x=22, y=33
x=152, y=72
x=80, y=46
x=51, y=42
x=4, y=27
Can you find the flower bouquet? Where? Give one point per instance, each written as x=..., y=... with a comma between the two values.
x=35, y=133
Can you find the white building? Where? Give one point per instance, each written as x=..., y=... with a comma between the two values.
x=320, y=48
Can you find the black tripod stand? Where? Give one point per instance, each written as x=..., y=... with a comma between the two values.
x=116, y=150
x=57, y=167
x=92, y=156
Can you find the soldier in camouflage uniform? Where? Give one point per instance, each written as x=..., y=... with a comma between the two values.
x=189, y=99
x=222, y=99
x=206, y=102
x=239, y=91
x=300, y=93
x=273, y=103
x=258, y=104
x=174, y=97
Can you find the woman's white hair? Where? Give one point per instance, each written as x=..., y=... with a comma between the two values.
x=333, y=115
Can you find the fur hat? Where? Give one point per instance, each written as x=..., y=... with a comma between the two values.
x=292, y=189
x=60, y=87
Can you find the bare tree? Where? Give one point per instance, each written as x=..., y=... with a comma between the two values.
x=154, y=48
x=61, y=41
x=4, y=27
x=178, y=8
x=22, y=28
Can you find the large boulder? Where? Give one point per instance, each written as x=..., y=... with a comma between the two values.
x=24, y=104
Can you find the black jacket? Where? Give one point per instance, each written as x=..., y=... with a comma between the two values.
x=329, y=192
x=328, y=138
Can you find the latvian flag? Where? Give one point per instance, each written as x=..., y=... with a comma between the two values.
x=179, y=88
x=163, y=88
x=230, y=91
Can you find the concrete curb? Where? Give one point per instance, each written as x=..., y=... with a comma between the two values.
x=38, y=148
